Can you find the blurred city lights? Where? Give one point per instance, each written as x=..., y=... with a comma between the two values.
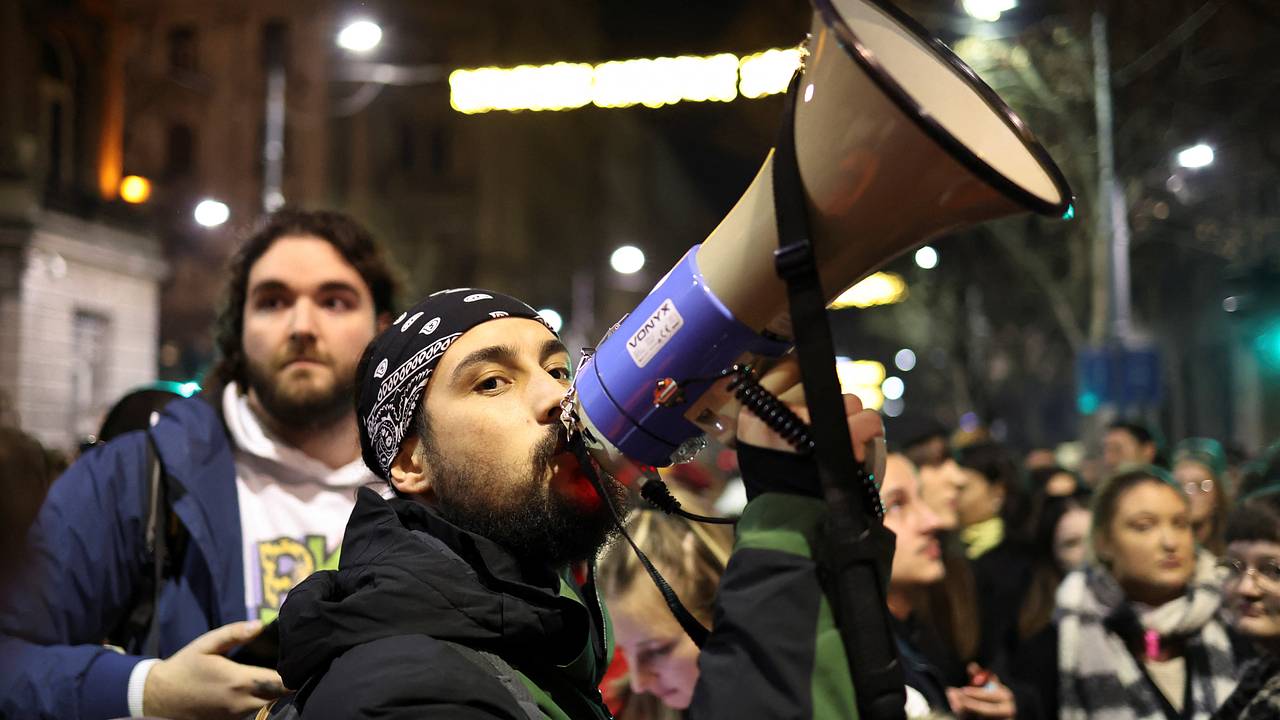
x=135, y=189
x=627, y=259
x=360, y=36
x=553, y=318
x=1231, y=304
x=893, y=408
x=893, y=387
x=861, y=378
x=665, y=81
x=988, y=10
x=1196, y=156
x=927, y=258
x=881, y=288
x=652, y=82
x=1087, y=403
x=187, y=389
x=768, y=72
x=905, y=360
x=854, y=373
x=211, y=213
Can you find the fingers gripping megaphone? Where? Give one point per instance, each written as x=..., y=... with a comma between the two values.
x=896, y=141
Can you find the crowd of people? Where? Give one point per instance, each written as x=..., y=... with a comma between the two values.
x=374, y=513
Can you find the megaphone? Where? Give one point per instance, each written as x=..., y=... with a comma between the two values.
x=896, y=141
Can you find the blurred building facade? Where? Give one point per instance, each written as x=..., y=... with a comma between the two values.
x=79, y=273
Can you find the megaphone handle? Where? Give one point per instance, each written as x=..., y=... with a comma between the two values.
x=858, y=549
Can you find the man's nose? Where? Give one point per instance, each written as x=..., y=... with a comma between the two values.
x=302, y=318
x=548, y=392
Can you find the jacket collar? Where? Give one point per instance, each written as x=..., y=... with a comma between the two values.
x=196, y=455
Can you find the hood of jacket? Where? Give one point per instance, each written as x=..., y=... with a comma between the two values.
x=404, y=570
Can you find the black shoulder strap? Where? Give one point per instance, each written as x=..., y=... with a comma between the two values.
x=164, y=540
x=506, y=674
x=857, y=548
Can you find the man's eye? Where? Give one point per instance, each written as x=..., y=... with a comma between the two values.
x=337, y=303
x=560, y=373
x=269, y=303
x=491, y=383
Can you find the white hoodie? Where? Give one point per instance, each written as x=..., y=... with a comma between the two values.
x=293, y=508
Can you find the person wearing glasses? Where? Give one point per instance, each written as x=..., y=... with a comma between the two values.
x=1250, y=572
x=1200, y=466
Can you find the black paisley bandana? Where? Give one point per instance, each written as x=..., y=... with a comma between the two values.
x=402, y=357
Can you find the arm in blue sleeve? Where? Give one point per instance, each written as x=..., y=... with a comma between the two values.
x=83, y=556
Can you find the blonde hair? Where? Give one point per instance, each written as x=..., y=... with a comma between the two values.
x=692, y=556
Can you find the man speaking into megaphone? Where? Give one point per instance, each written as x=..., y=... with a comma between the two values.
x=455, y=597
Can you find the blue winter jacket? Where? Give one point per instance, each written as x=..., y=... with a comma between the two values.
x=86, y=554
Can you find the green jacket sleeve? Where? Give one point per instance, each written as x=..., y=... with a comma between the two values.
x=774, y=650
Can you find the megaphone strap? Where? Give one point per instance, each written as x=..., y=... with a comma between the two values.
x=857, y=548
x=696, y=631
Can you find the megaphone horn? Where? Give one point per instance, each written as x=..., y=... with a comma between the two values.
x=896, y=141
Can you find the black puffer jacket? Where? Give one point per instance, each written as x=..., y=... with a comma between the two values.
x=370, y=634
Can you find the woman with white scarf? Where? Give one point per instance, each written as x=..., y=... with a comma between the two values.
x=1140, y=635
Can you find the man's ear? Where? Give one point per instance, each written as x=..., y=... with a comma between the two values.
x=383, y=321
x=408, y=473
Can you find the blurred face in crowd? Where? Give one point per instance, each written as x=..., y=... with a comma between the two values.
x=504, y=472
x=1148, y=544
x=1120, y=447
x=1060, y=484
x=917, y=559
x=1040, y=457
x=1071, y=538
x=1251, y=585
x=307, y=317
x=980, y=499
x=1197, y=481
x=663, y=660
x=940, y=487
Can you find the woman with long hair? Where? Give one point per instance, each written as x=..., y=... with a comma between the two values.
x=1139, y=631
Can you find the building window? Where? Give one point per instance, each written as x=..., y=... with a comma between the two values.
x=180, y=157
x=90, y=335
x=182, y=48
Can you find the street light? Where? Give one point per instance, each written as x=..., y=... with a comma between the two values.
x=1196, y=156
x=553, y=318
x=135, y=189
x=360, y=36
x=988, y=10
x=627, y=259
x=211, y=213
x=927, y=258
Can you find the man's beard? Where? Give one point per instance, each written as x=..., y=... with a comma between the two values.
x=305, y=408
x=530, y=519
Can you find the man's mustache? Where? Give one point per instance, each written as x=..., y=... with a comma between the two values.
x=297, y=351
x=546, y=447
